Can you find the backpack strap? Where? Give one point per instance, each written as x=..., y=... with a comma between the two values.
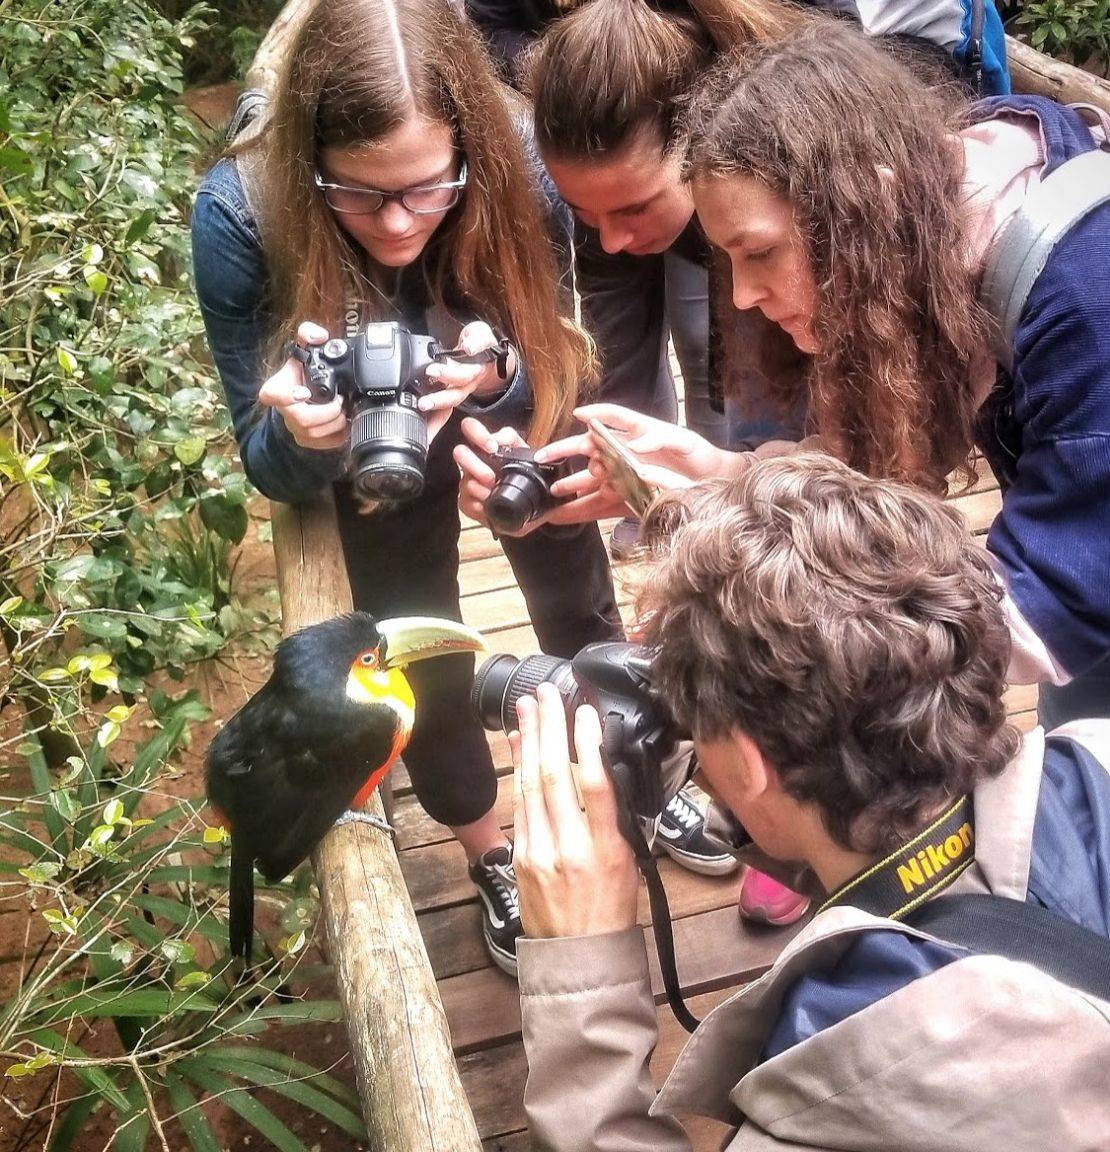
x=996, y=926
x=1019, y=255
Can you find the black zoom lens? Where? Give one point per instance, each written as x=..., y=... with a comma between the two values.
x=389, y=448
x=520, y=495
x=503, y=679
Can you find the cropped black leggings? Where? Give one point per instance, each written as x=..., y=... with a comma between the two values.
x=405, y=562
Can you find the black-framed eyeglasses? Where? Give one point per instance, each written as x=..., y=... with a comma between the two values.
x=421, y=200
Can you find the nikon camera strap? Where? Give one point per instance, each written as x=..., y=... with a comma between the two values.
x=900, y=887
x=919, y=869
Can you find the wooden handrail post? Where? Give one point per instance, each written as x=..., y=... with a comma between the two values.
x=1034, y=73
x=412, y=1097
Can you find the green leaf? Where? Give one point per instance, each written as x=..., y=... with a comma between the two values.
x=300, y=1091
x=122, y=952
x=73, y=1122
x=196, y=979
x=190, y=450
x=40, y=779
x=177, y=951
x=100, y=835
x=140, y=226
x=140, y=1002
x=226, y=519
x=291, y=1066
x=188, y=1114
x=65, y=804
x=242, y=1103
x=131, y=1135
x=42, y=872
x=301, y=1012
x=16, y=161
x=113, y=812
x=67, y=360
x=96, y=1078
x=96, y=280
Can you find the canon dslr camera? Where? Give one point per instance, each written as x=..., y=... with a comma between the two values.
x=379, y=373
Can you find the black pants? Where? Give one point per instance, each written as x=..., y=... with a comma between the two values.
x=405, y=562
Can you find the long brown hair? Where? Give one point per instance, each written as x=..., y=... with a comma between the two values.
x=867, y=157
x=614, y=69
x=357, y=70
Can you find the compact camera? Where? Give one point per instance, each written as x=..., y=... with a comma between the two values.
x=379, y=374
x=522, y=491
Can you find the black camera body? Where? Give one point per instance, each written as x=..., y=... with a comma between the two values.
x=379, y=373
x=522, y=491
x=615, y=678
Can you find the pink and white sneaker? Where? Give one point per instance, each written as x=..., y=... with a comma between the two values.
x=766, y=901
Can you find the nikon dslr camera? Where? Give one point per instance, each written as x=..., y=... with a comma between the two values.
x=639, y=735
x=645, y=752
x=379, y=374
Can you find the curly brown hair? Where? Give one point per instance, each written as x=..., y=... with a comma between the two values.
x=342, y=86
x=851, y=627
x=868, y=159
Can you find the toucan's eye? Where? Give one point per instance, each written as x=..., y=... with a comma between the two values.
x=369, y=659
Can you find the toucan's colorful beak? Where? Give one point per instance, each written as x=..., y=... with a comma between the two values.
x=412, y=638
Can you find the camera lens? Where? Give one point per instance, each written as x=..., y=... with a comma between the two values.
x=389, y=448
x=502, y=680
x=520, y=495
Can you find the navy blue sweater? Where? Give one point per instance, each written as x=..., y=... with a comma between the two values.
x=1046, y=430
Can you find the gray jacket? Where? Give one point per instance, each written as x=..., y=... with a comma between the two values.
x=983, y=1053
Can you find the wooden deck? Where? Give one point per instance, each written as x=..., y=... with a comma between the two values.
x=716, y=951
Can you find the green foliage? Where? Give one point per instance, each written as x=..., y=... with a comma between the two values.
x=120, y=509
x=225, y=49
x=1077, y=31
x=135, y=911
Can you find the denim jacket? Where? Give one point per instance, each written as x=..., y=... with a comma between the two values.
x=232, y=282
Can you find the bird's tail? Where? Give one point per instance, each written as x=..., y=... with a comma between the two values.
x=240, y=922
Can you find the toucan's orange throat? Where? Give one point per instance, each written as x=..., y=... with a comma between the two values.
x=400, y=739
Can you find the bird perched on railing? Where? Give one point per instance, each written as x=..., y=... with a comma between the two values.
x=315, y=741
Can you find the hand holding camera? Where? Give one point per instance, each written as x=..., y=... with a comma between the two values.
x=320, y=427
x=373, y=391
x=526, y=490
x=576, y=872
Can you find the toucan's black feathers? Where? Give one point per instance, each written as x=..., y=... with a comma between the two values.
x=291, y=760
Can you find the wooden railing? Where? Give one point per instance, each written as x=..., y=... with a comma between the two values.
x=412, y=1098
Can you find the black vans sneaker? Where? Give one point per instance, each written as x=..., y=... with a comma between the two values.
x=495, y=880
x=679, y=834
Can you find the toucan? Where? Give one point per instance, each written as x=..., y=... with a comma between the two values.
x=314, y=741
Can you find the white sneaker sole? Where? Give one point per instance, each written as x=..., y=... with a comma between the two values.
x=704, y=865
x=504, y=960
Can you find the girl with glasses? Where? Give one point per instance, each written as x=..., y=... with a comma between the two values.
x=388, y=181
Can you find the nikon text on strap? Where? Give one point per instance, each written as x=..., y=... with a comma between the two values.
x=916, y=871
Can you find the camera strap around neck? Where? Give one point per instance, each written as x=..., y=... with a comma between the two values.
x=915, y=872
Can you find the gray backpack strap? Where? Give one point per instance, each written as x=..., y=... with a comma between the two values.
x=1019, y=254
